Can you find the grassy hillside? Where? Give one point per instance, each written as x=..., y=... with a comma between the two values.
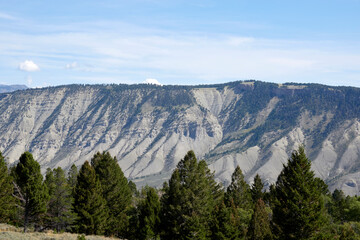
x=10, y=232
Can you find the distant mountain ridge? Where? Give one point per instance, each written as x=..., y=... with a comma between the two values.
x=150, y=128
x=11, y=88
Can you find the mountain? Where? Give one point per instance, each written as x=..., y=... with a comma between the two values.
x=150, y=128
x=11, y=88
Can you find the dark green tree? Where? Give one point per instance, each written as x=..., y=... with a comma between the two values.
x=238, y=192
x=149, y=215
x=352, y=209
x=30, y=190
x=60, y=215
x=72, y=177
x=189, y=200
x=133, y=189
x=89, y=204
x=257, y=189
x=7, y=201
x=49, y=181
x=298, y=206
x=227, y=223
x=259, y=228
x=115, y=190
x=238, y=200
x=338, y=205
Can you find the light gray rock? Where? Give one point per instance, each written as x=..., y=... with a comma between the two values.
x=150, y=128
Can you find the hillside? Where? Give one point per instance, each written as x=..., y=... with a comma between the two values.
x=150, y=128
x=14, y=233
x=11, y=88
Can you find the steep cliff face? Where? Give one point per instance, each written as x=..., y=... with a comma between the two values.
x=150, y=128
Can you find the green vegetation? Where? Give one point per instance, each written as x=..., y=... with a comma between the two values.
x=257, y=189
x=89, y=204
x=59, y=215
x=31, y=192
x=149, y=215
x=260, y=228
x=99, y=200
x=7, y=201
x=115, y=190
x=298, y=205
x=189, y=200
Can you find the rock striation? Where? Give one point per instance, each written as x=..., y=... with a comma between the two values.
x=150, y=128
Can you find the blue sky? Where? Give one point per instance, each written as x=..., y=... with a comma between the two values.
x=46, y=43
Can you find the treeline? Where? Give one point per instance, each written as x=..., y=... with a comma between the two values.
x=98, y=199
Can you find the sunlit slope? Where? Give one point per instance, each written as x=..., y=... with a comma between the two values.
x=150, y=128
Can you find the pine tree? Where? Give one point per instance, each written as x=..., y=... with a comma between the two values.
x=60, y=213
x=72, y=177
x=238, y=192
x=257, y=189
x=149, y=215
x=49, y=181
x=298, y=205
x=238, y=200
x=259, y=228
x=115, y=190
x=133, y=189
x=89, y=205
x=30, y=190
x=226, y=223
x=7, y=201
x=189, y=200
x=337, y=206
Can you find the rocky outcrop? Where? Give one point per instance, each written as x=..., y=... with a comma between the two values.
x=150, y=128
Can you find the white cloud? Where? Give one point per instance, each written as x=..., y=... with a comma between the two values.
x=71, y=65
x=28, y=66
x=152, y=81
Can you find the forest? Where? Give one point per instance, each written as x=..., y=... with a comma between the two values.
x=98, y=199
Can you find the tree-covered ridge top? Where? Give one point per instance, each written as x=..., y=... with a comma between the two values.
x=124, y=86
x=310, y=95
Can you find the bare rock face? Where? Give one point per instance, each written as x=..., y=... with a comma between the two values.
x=150, y=128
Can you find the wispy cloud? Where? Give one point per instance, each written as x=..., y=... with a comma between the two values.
x=7, y=16
x=29, y=80
x=71, y=65
x=114, y=49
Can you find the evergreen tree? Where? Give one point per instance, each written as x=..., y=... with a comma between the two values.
x=259, y=228
x=270, y=196
x=257, y=189
x=298, y=205
x=7, y=201
x=49, y=181
x=238, y=200
x=133, y=189
x=89, y=205
x=60, y=214
x=30, y=190
x=337, y=206
x=149, y=215
x=189, y=200
x=227, y=223
x=115, y=190
x=72, y=177
x=238, y=192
